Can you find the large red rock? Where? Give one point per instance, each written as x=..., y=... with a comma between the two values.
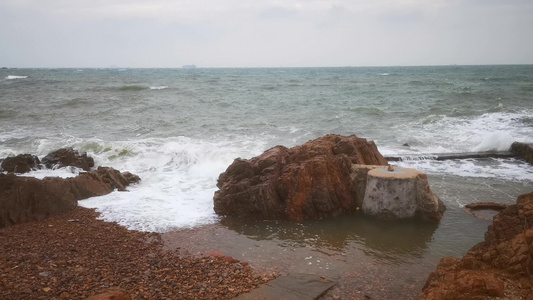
x=500, y=266
x=310, y=181
x=25, y=199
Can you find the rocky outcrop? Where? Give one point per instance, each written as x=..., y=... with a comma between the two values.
x=25, y=199
x=22, y=163
x=501, y=266
x=525, y=151
x=68, y=157
x=310, y=181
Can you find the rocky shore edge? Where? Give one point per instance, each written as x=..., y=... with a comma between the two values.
x=70, y=254
x=500, y=267
x=75, y=256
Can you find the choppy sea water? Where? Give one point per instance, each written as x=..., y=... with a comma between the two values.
x=178, y=129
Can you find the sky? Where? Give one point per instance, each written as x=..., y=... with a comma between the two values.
x=267, y=33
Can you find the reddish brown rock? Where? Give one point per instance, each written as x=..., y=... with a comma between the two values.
x=68, y=157
x=22, y=163
x=501, y=266
x=25, y=199
x=111, y=294
x=310, y=181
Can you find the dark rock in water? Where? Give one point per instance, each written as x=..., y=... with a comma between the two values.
x=25, y=199
x=525, y=151
x=68, y=157
x=500, y=266
x=22, y=163
x=310, y=181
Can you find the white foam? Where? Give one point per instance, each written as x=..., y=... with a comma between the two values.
x=179, y=178
x=504, y=169
x=10, y=77
x=494, y=141
x=158, y=87
x=67, y=172
x=444, y=134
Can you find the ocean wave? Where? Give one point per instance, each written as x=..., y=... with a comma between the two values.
x=501, y=169
x=372, y=111
x=11, y=77
x=463, y=134
x=162, y=87
x=133, y=88
x=179, y=176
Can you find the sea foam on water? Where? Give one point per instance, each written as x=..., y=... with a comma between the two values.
x=179, y=178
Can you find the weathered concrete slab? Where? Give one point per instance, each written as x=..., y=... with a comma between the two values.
x=400, y=193
x=292, y=287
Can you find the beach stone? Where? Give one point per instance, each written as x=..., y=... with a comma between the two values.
x=25, y=199
x=111, y=294
x=400, y=193
x=310, y=181
x=68, y=157
x=22, y=163
x=500, y=265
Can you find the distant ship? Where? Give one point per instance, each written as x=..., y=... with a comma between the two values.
x=189, y=67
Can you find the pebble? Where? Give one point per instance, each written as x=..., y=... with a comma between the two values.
x=91, y=254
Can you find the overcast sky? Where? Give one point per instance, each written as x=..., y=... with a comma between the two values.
x=267, y=33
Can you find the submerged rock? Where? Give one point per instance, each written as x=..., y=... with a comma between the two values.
x=25, y=199
x=501, y=265
x=310, y=181
x=68, y=157
x=22, y=163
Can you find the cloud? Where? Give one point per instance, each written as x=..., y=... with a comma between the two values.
x=241, y=33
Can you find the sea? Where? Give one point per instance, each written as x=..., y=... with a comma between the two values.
x=178, y=129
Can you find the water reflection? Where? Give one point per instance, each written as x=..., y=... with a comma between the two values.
x=387, y=242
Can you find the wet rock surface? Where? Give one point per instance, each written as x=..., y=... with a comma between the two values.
x=525, y=151
x=501, y=266
x=26, y=199
x=68, y=157
x=74, y=256
x=22, y=163
x=310, y=181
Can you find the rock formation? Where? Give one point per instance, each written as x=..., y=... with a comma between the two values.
x=501, y=266
x=21, y=163
x=25, y=199
x=68, y=157
x=522, y=150
x=310, y=181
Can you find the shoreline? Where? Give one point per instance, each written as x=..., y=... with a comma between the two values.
x=75, y=255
